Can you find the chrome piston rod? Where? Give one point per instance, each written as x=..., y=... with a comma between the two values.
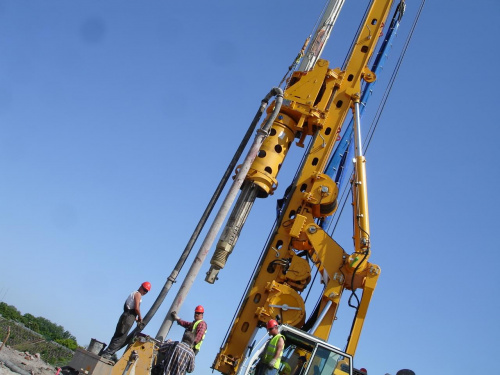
x=232, y=230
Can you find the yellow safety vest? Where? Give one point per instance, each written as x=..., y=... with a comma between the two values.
x=198, y=346
x=271, y=350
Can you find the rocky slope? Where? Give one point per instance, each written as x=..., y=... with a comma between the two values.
x=23, y=363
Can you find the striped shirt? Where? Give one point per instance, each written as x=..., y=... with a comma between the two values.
x=179, y=358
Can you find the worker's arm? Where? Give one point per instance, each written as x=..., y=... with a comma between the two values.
x=200, y=331
x=190, y=367
x=184, y=323
x=279, y=349
x=137, y=307
x=179, y=321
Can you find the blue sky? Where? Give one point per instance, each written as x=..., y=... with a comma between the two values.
x=118, y=118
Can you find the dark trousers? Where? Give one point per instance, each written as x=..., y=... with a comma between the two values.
x=125, y=322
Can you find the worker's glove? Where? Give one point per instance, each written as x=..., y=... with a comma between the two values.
x=141, y=325
x=174, y=315
x=272, y=363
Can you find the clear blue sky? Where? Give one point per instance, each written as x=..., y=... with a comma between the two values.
x=118, y=118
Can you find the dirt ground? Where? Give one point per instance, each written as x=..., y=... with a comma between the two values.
x=28, y=362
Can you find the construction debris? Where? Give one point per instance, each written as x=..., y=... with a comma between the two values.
x=13, y=362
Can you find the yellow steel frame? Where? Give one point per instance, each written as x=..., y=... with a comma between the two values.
x=317, y=104
x=139, y=358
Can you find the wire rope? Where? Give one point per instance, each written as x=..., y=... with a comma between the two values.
x=300, y=55
x=393, y=77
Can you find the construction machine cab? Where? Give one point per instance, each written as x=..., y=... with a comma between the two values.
x=322, y=358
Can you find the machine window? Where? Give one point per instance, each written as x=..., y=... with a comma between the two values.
x=327, y=362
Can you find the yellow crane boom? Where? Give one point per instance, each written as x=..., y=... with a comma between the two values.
x=316, y=103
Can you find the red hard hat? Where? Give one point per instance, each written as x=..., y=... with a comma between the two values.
x=199, y=309
x=363, y=370
x=271, y=324
x=146, y=285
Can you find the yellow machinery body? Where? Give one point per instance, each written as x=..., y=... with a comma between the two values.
x=139, y=358
x=317, y=103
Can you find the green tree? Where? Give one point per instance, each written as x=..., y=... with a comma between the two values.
x=43, y=326
x=31, y=322
x=10, y=312
x=69, y=343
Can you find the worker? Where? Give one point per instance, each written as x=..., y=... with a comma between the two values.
x=300, y=364
x=131, y=313
x=271, y=355
x=178, y=356
x=198, y=326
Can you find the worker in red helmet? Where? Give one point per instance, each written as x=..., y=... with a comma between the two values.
x=198, y=326
x=270, y=358
x=131, y=313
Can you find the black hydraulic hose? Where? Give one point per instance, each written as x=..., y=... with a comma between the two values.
x=194, y=237
x=353, y=294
